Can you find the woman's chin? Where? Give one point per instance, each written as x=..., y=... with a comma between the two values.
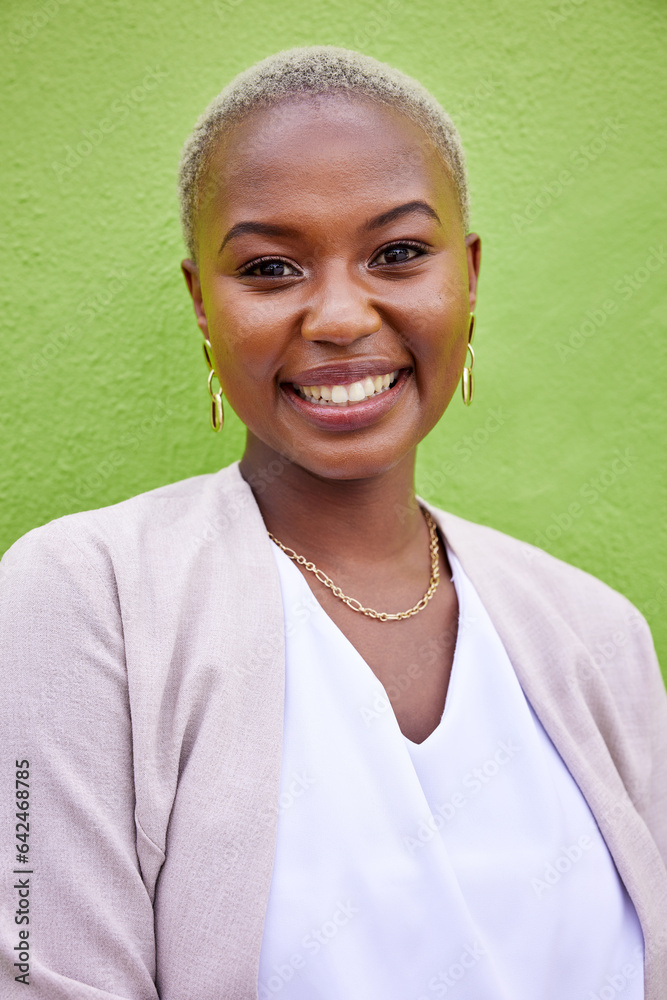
x=356, y=461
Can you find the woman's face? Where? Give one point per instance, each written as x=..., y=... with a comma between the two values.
x=331, y=252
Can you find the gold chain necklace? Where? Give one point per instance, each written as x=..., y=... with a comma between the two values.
x=351, y=602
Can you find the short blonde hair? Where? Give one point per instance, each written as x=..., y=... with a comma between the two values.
x=315, y=69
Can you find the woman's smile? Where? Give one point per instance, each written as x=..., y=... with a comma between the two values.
x=347, y=407
x=347, y=393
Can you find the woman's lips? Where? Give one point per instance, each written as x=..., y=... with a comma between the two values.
x=351, y=416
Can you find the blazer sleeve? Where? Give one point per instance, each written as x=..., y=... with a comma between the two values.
x=645, y=687
x=65, y=722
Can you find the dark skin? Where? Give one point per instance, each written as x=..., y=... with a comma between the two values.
x=339, y=279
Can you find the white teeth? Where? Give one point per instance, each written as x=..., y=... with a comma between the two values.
x=338, y=394
x=352, y=392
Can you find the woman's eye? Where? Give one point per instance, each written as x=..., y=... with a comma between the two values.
x=397, y=254
x=270, y=269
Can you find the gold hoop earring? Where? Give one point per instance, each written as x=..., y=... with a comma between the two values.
x=217, y=412
x=467, y=384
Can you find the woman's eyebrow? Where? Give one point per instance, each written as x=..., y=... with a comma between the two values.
x=267, y=229
x=260, y=228
x=395, y=213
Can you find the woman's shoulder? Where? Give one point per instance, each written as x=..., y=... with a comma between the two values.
x=528, y=578
x=157, y=531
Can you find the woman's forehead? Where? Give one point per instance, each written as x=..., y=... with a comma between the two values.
x=329, y=139
x=323, y=114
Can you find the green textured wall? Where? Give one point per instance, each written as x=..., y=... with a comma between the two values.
x=559, y=105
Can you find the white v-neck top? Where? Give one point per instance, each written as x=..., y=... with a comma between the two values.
x=469, y=865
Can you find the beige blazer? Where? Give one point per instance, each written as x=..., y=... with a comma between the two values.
x=142, y=659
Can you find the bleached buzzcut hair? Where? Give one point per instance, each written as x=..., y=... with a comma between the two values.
x=314, y=69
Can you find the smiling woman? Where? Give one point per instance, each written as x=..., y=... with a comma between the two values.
x=296, y=731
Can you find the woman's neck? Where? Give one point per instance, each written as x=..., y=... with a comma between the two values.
x=373, y=519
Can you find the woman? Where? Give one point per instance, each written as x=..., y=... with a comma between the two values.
x=289, y=730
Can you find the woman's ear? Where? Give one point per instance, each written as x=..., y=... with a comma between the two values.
x=474, y=254
x=191, y=275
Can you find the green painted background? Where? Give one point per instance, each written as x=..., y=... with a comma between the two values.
x=560, y=107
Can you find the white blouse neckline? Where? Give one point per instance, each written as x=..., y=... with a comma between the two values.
x=395, y=861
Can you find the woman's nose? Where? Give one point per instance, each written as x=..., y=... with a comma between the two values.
x=340, y=312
